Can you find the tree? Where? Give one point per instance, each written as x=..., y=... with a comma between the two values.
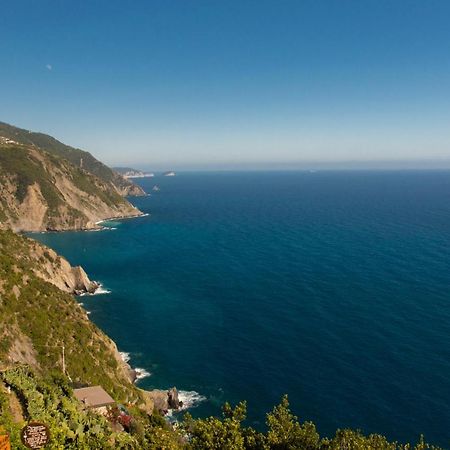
x=286, y=433
x=213, y=433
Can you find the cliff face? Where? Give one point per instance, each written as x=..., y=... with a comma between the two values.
x=40, y=191
x=79, y=158
x=47, y=265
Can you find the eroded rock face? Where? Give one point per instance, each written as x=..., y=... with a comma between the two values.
x=132, y=190
x=57, y=270
x=165, y=400
x=31, y=213
x=172, y=398
x=82, y=283
x=21, y=350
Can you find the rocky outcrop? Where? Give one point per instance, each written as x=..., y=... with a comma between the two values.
x=31, y=212
x=172, y=399
x=49, y=266
x=21, y=350
x=165, y=400
x=132, y=190
x=81, y=282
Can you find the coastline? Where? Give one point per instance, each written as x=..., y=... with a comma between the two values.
x=167, y=401
x=119, y=218
x=95, y=227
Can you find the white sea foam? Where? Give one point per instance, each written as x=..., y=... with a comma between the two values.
x=115, y=219
x=141, y=373
x=99, y=291
x=125, y=356
x=190, y=399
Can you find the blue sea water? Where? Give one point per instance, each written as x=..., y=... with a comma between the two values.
x=332, y=287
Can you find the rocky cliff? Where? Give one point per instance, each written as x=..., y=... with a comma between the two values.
x=40, y=191
x=46, y=264
x=162, y=400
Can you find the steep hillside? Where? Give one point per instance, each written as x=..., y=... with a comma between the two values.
x=40, y=191
x=77, y=157
x=37, y=318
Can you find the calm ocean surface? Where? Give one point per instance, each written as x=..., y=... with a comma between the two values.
x=332, y=287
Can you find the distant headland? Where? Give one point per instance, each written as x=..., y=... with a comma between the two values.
x=128, y=172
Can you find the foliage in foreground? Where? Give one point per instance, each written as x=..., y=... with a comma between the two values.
x=50, y=400
x=284, y=432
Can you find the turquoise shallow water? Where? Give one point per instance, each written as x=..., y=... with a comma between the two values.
x=333, y=287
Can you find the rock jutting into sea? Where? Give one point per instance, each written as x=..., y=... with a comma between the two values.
x=165, y=400
x=56, y=270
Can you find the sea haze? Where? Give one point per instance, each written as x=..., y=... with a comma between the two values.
x=332, y=287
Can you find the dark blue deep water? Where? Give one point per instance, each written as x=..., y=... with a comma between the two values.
x=333, y=287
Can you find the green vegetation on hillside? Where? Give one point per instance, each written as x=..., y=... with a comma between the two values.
x=37, y=319
x=77, y=157
x=17, y=161
x=50, y=400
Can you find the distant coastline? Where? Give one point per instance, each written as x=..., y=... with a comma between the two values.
x=121, y=218
x=128, y=172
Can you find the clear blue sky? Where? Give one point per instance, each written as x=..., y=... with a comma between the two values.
x=231, y=83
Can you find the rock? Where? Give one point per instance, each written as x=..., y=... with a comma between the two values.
x=165, y=400
x=53, y=268
x=81, y=281
x=149, y=405
x=172, y=399
x=133, y=375
x=133, y=190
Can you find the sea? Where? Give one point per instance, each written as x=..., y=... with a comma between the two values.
x=331, y=286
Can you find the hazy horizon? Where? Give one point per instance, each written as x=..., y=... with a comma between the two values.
x=232, y=84
x=382, y=165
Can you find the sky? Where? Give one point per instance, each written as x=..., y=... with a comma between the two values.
x=232, y=84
